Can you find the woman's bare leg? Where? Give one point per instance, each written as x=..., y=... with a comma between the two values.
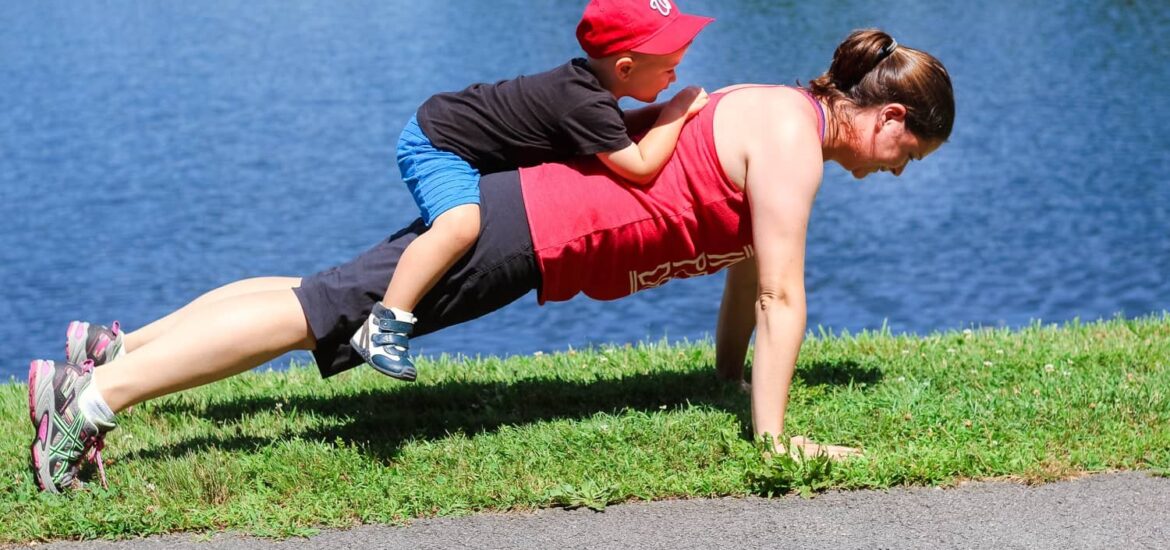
x=215, y=340
x=142, y=336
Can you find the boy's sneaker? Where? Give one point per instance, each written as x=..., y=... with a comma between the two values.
x=93, y=342
x=65, y=438
x=384, y=342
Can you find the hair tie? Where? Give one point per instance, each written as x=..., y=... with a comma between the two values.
x=886, y=51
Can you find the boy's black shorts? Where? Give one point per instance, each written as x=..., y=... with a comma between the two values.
x=499, y=269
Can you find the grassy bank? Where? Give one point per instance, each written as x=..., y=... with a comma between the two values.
x=284, y=453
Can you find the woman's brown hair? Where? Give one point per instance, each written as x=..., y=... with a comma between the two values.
x=869, y=68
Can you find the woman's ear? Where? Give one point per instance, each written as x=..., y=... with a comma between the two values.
x=893, y=112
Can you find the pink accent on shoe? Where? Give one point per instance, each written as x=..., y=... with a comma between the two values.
x=116, y=328
x=102, y=343
x=43, y=428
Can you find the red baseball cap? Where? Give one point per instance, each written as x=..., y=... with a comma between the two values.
x=654, y=27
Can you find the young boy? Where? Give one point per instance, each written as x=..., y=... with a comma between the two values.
x=633, y=47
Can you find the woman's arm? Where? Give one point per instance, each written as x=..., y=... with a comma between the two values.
x=784, y=168
x=781, y=189
x=737, y=320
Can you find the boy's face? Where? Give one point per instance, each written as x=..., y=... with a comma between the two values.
x=648, y=75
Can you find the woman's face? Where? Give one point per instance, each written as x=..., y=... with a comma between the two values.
x=885, y=145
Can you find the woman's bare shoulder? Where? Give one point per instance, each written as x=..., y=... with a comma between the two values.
x=761, y=120
x=754, y=99
x=755, y=111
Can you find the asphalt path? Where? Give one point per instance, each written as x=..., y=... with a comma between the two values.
x=1116, y=510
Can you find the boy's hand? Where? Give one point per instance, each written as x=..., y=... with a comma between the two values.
x=689, y=101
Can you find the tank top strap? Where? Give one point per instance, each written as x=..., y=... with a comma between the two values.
x=820, y=111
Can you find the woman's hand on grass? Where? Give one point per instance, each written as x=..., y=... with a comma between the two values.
x=800, y=446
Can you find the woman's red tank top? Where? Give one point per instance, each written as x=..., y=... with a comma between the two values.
x=596, y=234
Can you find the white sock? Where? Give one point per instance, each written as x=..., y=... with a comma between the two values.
x=95, y=408
x=401, y=315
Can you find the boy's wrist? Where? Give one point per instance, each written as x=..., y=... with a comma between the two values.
x=671, y=112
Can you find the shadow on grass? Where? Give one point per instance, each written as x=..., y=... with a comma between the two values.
x=380, y=421
x=841, y=373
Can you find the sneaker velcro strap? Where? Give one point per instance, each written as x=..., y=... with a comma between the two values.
x=390, y=339
x=394, y=325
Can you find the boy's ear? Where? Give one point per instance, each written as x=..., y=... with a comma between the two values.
x=623, y=67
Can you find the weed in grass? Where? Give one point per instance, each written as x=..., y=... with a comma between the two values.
x=777, y=474
x=588, y=494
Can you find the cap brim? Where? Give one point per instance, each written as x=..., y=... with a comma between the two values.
x=674, y=36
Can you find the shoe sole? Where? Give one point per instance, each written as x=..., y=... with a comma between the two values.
x=34, y=374
x=32, y=384
x=75, y=337
x=389, y=368
x=42, y=401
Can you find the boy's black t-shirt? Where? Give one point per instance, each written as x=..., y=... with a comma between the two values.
x=529, y=120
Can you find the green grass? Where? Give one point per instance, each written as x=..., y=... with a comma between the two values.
x=285, y=453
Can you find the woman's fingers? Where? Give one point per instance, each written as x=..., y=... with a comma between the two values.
x=798, y=446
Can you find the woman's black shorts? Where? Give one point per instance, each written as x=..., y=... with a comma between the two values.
x=499, y=269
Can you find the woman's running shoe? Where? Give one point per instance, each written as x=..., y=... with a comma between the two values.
x=92, y=342
x=65, y=438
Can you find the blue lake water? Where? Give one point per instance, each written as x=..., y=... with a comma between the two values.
x=150, y=151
